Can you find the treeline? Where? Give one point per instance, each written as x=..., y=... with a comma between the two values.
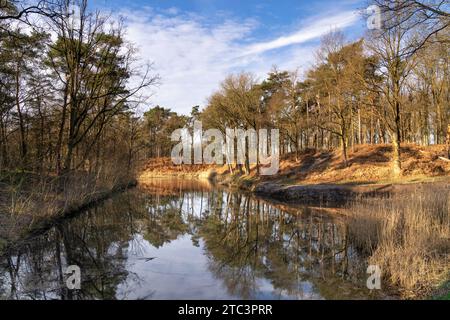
x=349, y=97
x=70, y=85
x=69, y=88
x=390, y=87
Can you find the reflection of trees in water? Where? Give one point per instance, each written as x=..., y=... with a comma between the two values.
x=96, y=241
x=245, y=239
x=249, y=240
x=165, y=221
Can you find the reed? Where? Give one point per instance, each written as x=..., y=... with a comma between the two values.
x=408, y=236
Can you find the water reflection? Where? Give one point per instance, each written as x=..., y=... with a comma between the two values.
x=186, y=240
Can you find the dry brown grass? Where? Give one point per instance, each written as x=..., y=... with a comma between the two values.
x=408, y=237
x=366, y=164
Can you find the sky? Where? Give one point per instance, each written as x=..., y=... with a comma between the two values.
x=195, y=44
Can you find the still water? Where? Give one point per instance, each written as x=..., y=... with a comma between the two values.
x=178, y=239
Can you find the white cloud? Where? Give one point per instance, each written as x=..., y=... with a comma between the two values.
x=309, y=32
x=193, y=55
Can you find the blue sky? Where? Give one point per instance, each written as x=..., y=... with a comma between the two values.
x=195, y=44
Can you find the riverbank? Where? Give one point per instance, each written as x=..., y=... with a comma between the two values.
x=30, y=204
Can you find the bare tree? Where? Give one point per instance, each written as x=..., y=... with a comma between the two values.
x=432, y=16
x=94, y=69
x=21, y=10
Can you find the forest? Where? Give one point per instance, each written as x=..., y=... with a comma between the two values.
x=391, y=87
x=69, y=89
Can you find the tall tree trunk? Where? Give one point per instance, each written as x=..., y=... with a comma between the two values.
x=344, y=147
x=61, y=133
x=396, y=136
x=397, y=166
x=40, y=144
x=23, y=145
x=344, y=140
x=68, y=158
x=3, y=144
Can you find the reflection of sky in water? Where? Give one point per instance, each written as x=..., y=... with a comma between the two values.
x=180, y=271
